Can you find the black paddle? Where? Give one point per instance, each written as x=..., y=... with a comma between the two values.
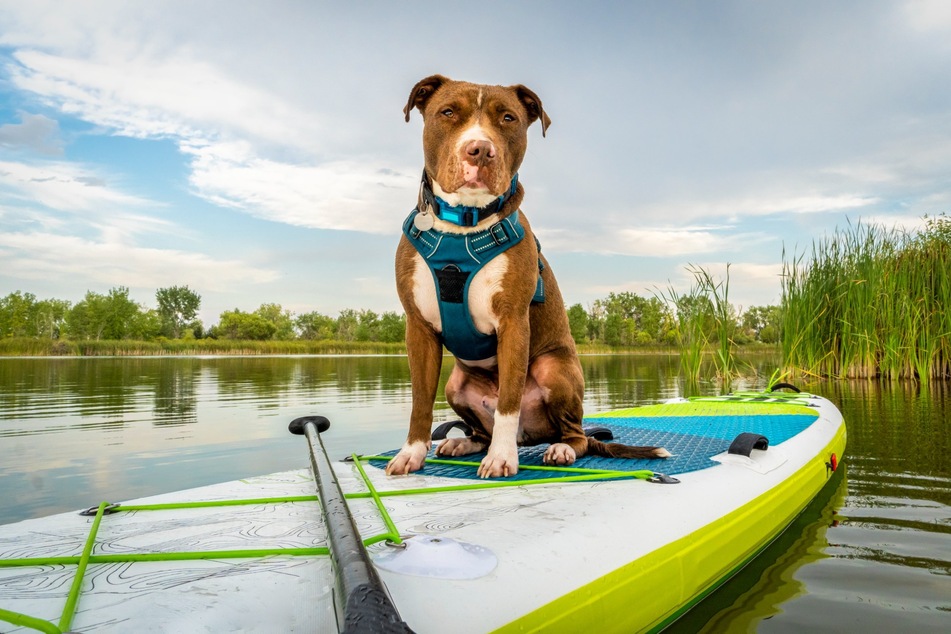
x=363, y=605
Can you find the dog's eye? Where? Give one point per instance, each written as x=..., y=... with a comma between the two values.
x=447, y=112
x=508, y=118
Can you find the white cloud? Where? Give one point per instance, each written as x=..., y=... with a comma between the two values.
x=223, y=125
x=751, y=284
x=44, y=256
x=63, y=186
x=758, y=205
x=928, y=15
x=354, y=195
x=179, y=96
x=648, y=241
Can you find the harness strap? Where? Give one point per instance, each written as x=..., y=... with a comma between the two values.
x=454, y=259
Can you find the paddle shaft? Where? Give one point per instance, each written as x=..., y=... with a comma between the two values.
x=363, y=605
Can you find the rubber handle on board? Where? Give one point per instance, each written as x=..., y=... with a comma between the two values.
x=746, y=442
x=441, y=432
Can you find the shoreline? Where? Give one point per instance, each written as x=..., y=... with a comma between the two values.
x=57, y=349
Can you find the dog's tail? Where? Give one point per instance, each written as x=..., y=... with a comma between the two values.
x=617, y=450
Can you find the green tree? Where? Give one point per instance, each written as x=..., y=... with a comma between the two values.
x=49, y=318
x=177, y=307
x=83, y=319
x=347, y=323
x=120, y=315
x=613, y=328
x=392, y=327
x=368, y=326
x=147, y=325
x=578, y=323
x=281, y=319
x=655, y=319
x=757, y=318
x=97, y=316
x=762, y=323
x=315, y=326
x=240, y=325
x=16, y=310
x=596, y=322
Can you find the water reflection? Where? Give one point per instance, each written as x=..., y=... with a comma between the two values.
x=877, y=555
x=874, y=553
x=770, y=580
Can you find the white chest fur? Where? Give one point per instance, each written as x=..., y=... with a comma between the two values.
x=483, y=287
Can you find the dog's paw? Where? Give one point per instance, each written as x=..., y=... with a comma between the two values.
x=499, y=462
x=410, y=458
x=458, y=447
x=560, y=454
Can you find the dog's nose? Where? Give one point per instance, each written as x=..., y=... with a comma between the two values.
x=479, y=152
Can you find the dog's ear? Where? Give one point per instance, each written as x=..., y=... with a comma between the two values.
x=421, y=93
x=533, y=105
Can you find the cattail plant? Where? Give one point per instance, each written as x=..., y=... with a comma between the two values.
x=871, y=302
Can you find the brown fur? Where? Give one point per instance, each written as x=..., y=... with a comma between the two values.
x=537, y=376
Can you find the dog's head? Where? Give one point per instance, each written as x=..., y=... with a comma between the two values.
x=474, y=136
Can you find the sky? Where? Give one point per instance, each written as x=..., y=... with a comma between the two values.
x=257, y=153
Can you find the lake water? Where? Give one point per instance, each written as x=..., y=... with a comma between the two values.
x=872, y=553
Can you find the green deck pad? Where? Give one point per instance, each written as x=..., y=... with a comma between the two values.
x=719, y=406
x=689, y=431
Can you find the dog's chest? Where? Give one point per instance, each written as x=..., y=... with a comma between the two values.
x=484, y=285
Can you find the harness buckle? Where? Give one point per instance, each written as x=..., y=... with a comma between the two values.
x=498, y=233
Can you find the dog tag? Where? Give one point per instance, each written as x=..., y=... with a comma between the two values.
x=423, y=221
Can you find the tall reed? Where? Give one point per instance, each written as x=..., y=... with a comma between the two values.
x=871, y=302
x=717, y=293
x=704, y=310
x=691, y=312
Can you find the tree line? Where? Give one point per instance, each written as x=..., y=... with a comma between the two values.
x=619, y=320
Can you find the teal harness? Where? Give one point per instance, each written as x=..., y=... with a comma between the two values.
x=454, y=259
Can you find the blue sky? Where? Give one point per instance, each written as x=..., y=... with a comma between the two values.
x=257, y=152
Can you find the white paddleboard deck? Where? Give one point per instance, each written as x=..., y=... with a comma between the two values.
x=523, y=557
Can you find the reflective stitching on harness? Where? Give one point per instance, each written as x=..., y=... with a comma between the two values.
x=471, y=255
x=452, y=258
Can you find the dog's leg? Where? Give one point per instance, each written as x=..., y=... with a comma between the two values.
x=425, y=361
x=472, y=396
x=502, y=457
x=553, y=408
x=562, y=382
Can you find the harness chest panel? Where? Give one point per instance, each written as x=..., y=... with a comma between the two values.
x=454, y=259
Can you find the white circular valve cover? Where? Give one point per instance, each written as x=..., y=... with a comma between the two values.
x=438, y=557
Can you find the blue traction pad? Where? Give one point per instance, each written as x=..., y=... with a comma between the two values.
x=692, y=440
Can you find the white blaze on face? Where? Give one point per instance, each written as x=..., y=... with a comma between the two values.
x=475, y=193
x=474, y=132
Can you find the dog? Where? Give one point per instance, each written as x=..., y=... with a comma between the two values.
x=471, y=277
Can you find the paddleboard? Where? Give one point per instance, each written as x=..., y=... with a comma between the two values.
x=608, y=544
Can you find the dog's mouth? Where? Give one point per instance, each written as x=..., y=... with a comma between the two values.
x=472, y=177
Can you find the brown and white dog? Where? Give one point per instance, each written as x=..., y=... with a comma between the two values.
x=530, y=390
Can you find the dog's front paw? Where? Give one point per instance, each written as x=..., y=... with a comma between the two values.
x=458, y=447
x=410, y=458
x=499, y=463
x=560, y=454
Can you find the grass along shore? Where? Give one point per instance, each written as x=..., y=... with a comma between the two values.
x=28, y=347
x=871, y=303
x=25, y=347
